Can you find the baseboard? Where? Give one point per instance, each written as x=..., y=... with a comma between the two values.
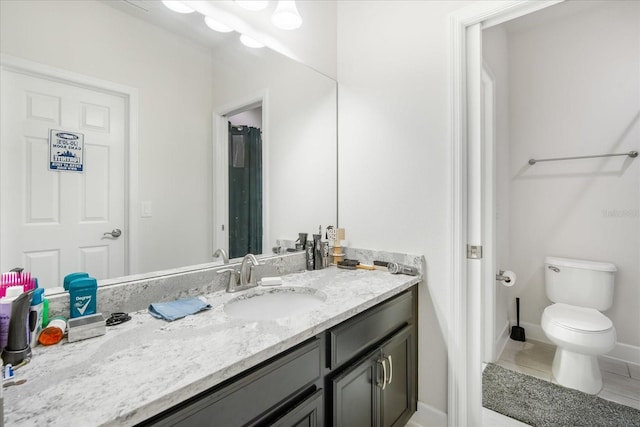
x=502, y=340
x=625, y=353
x=534, y=332
x=428, y=416
x=621, y=352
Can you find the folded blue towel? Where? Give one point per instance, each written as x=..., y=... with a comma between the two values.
x=177, y=309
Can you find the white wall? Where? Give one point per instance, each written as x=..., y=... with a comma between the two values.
x=395, y=152
x=94, y=39
x=575, y=90
x=251, y=118
x=495, y=55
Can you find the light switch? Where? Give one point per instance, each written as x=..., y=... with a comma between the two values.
x=145, y=209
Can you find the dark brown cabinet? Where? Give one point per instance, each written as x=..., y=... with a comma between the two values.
x=309, y=413
x=378, y=389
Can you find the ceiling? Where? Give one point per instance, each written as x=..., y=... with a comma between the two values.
x=313, y=44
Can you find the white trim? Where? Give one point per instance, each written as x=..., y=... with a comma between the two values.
x=488, y=314
x=625, y=353
x=130, y=95
x=474, y=187
x=463, y=384
x=428, y=416
x=502, y=340
x=534, y=332
x=220, y=238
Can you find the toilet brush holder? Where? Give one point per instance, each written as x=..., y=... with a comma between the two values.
x=517, y=332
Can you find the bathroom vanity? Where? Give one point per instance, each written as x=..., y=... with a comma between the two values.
x=358, y=350
x=360, y=372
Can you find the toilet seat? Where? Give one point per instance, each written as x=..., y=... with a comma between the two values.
x=579, y=329
x=578, y=319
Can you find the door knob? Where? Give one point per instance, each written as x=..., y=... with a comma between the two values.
x=115, y=233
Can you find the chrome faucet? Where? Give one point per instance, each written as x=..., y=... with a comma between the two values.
x=221, y=253
x=248, y=278
x=243, y=278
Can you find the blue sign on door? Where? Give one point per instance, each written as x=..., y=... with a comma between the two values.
x=66, y=150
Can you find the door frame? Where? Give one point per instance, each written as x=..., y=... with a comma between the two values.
x=220, y=199
x=465, y=326
x=130, y=96
x=488, y=313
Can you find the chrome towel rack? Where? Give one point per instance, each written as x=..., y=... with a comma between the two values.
x=631, y=154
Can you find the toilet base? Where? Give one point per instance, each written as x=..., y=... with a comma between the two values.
x=577, y=371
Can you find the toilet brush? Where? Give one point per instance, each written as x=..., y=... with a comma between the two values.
x=517, y=332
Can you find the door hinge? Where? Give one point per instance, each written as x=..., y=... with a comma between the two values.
x=474, y=251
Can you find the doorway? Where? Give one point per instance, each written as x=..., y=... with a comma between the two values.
x=241, y=164
x=245, y=182
x=476, y=273
x=464, y=341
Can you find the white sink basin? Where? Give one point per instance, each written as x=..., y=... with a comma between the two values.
x=274, y=303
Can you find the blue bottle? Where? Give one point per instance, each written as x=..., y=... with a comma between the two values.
x=83, y=297
x=71, y=277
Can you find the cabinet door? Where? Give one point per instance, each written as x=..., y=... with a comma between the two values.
x=398, y=398
x=355, y=393
x=309, y=413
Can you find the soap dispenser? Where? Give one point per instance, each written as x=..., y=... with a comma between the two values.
x=18, y=348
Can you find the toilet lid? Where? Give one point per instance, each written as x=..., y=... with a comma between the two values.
x=578, y=318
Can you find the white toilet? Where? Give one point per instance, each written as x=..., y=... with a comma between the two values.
x=580, y=290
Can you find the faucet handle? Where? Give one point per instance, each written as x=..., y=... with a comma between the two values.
x=234, y=272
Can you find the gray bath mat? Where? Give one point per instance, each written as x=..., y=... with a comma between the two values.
x=543, y=404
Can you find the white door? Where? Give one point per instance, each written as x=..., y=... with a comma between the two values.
x=53, y=222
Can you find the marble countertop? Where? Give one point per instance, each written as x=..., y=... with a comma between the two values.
x=147, y=365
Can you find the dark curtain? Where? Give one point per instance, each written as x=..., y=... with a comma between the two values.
x=245, y=191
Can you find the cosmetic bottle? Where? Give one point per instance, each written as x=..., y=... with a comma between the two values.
x=317, y=252
x=45, y=312
x=310, y=255
x=13, y=292
x=1, y=401
x=71, y=277
x=324, y=251
x=36, y=309
x=82, y=297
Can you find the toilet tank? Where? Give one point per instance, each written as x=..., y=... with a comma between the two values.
x=579, y=282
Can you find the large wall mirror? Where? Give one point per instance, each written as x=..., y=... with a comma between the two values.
x=188, y=83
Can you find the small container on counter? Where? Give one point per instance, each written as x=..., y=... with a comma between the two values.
x=310, y=255
x=83, y=295
x=54, y=331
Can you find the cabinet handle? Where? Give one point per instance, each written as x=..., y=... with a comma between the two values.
x=384, y=374
x=390, y=369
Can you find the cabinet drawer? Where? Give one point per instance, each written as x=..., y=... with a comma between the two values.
x=254, y=394
x=359, y=333
x=309, y=413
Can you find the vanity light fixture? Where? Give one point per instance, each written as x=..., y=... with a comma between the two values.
x=177, y=6
x=249, y=42
x=216, y=25
x=254, y=5
x=286, y=16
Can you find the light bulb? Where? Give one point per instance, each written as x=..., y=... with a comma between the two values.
x=253, y=5
x=177, y=6
x=249, y=42
x=286, y=16
x=216, y=25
